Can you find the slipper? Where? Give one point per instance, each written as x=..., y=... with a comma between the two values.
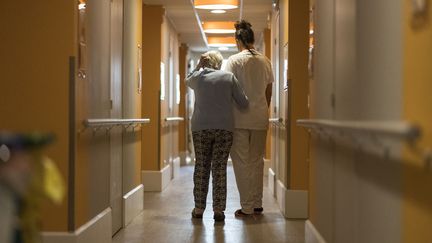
x=196, y=215
x=239, y=213
x=219, y=216
x=258, y=210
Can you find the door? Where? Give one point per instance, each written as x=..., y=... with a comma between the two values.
x=165, y=97
x=171, y=104
x=174, y=93
x=275, y=108
x=116, y=143
x=284, y=104
x=169, y=107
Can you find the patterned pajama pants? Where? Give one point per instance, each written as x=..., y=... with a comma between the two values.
x=212, y=147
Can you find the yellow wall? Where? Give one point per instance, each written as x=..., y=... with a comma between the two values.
x=151, y=41
x=298, y=34
x=285, y=5
x=37, y=39
x=267, y=43
x=417, y=181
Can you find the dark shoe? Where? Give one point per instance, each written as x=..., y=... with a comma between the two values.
x=219, y=216
x=196, y=215
x=239, y=213
x=258, y=210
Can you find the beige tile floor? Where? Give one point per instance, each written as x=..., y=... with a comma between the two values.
x=166, y=218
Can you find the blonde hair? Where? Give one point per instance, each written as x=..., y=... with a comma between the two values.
x=214, y=59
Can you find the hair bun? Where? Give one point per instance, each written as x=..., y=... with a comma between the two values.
x=243, y=24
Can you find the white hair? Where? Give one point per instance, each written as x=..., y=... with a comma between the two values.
x=214, y=59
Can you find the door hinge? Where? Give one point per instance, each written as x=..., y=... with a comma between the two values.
x=111, y=104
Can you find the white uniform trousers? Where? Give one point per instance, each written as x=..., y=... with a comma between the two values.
x=247, y=154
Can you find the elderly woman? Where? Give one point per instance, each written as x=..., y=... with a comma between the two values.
x=216, y=92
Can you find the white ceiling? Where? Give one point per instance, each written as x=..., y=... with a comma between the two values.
x=181, y=14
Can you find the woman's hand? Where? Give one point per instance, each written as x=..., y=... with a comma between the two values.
x=203, y=62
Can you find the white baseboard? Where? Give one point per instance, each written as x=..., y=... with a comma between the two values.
x=156, y=181
x=175, y=168
x=311, y=234
x=133, y=204
x=266, y=166
x=271, y=181
x=293, y=203
x=97, y=229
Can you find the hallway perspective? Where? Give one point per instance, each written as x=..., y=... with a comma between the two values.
x=104, y=104
x=167, y=218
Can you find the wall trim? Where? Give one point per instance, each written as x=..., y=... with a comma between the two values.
x=292, y=203
x=175, y=167
x=98, y=229
x=156, y=181
x=312, y=235
x=271, y=182
x=133, y=204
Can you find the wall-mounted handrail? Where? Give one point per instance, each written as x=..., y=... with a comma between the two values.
x=114, y=122
x=379, y=132
x=174, y=119
x=108, y=124
x=393, y=129
x=277, y=121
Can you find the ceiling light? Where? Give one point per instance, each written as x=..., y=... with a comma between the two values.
x=218, y=27
x=81, y=6
x=311, y=32
x=221, y=41
x=218, y=11
x=216, y=4
x=219, y=45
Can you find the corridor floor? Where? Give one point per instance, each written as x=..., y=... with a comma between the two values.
x=167, y=218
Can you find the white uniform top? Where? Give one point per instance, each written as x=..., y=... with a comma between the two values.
x=254, y=72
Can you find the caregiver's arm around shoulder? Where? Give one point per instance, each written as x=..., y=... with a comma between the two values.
x=239, y=95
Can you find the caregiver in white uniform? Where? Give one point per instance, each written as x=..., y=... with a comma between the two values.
x=253, y=70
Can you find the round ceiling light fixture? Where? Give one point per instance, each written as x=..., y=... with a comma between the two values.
x=216, y=4
x=221, y=41
x=218, y=11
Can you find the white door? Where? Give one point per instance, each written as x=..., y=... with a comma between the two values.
x=116, y=144
x=174, y=93
x=275, y=107
x=171, y=103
